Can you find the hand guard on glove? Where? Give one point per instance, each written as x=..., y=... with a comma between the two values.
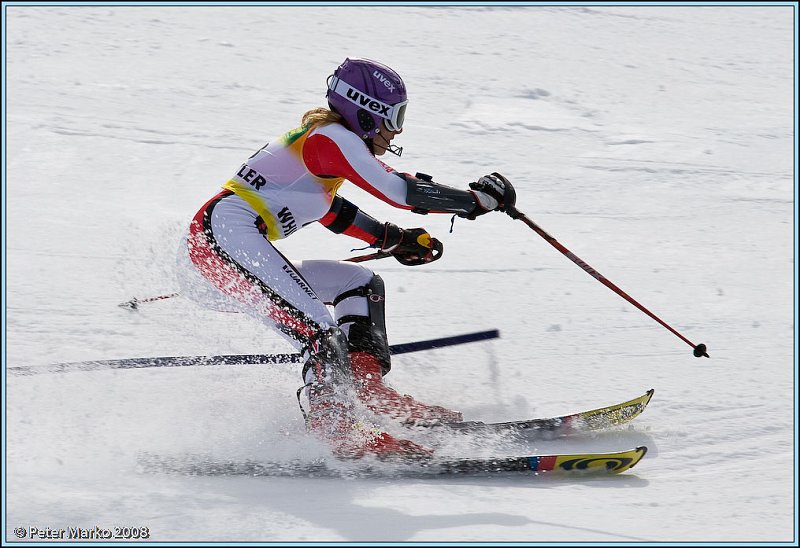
x=490, y=194
x=411, y=246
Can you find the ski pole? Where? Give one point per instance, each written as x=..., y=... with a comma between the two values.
x=238, y=359
x=368, y=257
x=133, y=304
x=509, y=207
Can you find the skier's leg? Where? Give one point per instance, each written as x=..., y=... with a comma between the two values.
x=359, y=303
x=228, y=247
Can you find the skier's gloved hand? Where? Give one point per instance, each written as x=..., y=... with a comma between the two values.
x=411, y=246
x=489, y=192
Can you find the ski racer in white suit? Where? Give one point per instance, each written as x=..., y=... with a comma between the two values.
x=292, y=182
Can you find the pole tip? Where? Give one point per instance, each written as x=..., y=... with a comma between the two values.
x=701, y=351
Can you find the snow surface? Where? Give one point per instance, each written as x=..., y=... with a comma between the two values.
x=655, y=142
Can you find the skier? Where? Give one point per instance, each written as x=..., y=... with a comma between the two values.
x=294, y=181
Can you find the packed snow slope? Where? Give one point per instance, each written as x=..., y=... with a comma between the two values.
x=656, y=143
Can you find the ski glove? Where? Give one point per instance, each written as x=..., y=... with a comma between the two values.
x=489, y=192
x=411, y=246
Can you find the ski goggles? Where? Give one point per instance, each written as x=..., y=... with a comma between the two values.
x=394, y=115
x=395, y=123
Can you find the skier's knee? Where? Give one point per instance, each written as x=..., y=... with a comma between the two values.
x=368, y=333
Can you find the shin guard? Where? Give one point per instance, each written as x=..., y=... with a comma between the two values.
x=368, y=334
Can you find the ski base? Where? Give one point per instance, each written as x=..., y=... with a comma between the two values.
x=596, y=419
x=589, y=463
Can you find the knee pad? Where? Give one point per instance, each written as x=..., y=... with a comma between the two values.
x=368, y=334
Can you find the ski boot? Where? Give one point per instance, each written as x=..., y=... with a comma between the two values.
x=383, y=400
x=332, y=412
x=335, y=422
x=370, y=360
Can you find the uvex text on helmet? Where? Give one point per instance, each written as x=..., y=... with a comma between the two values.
x=366, y=93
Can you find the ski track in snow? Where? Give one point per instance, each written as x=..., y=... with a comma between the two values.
x=653, y=142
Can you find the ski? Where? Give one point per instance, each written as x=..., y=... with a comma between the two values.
x=596, y=419
x=591, y=463
x=614, y=463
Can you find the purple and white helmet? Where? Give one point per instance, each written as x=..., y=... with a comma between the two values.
x=366, y=93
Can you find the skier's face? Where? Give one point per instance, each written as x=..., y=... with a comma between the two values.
x=383, y=139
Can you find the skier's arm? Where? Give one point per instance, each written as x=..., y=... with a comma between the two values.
x=333, y=151
x=487, y=194
x=409, y=246
x=344, y=217
x=425, y=196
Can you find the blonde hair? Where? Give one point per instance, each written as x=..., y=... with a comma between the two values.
x=320, y=116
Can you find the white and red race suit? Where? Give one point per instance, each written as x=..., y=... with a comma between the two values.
x=286, y=185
